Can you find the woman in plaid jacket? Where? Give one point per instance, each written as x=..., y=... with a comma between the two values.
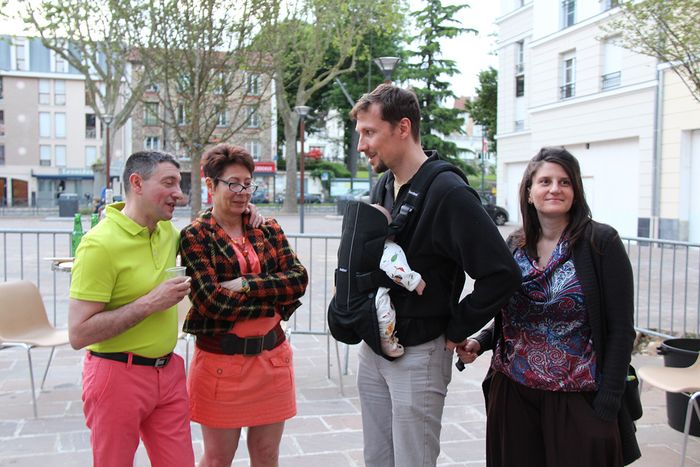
x=244, y=281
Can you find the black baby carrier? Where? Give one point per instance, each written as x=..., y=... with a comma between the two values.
x=352, y=315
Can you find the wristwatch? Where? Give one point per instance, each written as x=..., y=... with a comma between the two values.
x=245, y=287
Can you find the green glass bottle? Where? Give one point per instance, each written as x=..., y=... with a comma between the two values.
x=94, y=219
x=77, y=234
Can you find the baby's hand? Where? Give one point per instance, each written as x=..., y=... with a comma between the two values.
x=420, y=287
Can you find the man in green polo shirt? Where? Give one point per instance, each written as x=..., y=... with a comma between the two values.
x=123, y=309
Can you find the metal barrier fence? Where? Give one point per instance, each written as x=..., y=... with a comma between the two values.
x=667, y=278
x=666, y=286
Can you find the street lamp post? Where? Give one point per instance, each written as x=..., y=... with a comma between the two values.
x=387, y=65
x=107, y=121
x=302, y=111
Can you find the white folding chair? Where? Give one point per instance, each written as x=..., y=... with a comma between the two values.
x=24, y=323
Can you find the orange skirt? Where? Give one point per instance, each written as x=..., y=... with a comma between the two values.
x=236, y=391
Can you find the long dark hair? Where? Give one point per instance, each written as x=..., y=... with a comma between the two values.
x=580, y=213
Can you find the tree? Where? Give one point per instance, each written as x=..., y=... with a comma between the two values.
x=435, y=22
x=484, y=106
x=88, y=35
x=212, y=78
x=666, y=29
x=365, y=76
x=302, y=43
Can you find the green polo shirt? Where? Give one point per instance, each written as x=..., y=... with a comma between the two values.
x=119, y=261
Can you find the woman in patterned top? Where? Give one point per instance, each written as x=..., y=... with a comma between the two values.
x=562, y=345
x=244, y=281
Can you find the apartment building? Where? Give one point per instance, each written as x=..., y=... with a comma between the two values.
x=252, y=113
x=50, y=140
x=565, y=82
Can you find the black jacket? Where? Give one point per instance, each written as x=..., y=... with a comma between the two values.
x=603, y=268
x=452, y=235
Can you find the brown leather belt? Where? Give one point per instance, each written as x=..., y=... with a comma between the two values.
x=231, y=344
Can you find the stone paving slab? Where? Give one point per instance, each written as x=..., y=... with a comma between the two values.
x=326, y=431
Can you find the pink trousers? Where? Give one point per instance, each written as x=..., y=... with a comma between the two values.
x=123, y=402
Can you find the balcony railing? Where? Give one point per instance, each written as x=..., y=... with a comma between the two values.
x=567, y=91
x=519, y=68
x=611, y=80
x=90, y=133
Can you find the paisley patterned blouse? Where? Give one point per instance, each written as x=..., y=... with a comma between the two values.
x=546, y=341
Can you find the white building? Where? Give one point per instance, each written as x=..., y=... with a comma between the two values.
x=564, y=82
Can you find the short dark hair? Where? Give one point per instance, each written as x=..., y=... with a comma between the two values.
x=223, y=155
x=395, y=103
x=144, y=163
x=580, y=213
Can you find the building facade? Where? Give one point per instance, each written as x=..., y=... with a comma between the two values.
x=564, y=82
x=51, y=141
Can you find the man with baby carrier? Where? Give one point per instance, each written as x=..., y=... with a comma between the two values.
x=445, y=232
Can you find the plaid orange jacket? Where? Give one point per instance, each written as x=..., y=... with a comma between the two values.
x=208, y=254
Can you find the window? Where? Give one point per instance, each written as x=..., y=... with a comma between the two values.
x=612, y=57
x=223, y=119
x=255, y=149
x=60, y=156
x=253, y=84
x=44, y=125
x=568, y=13
x=90, y=126
x=220, y=87
x=45, y=155
x=608, y=4
x=252, y=117
x=150, y=116
x=182, y=115
x=151, y=142
x=0, y=87
x=520, y=86
x=2, y=154
x=519, y=125
x=519, y=57
x=152, y=88
x=60, y=120
x=20, y=54
x=568, y=76
x=59, y=92
x=60, y=65
x=90, y=155
x=2, y=123
x=44, y=92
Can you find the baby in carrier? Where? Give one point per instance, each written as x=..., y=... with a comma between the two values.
x=395, y=265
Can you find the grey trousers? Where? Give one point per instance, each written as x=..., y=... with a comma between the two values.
x=402, y=403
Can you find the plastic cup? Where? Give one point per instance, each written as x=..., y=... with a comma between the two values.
x=177, y=271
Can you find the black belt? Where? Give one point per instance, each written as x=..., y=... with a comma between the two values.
x=135, y=359
x=231, y=344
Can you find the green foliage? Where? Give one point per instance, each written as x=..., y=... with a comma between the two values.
x=484, y=107
x=317, y=167
x=429, y=71
x=666, y=29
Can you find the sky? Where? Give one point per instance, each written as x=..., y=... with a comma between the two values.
x=472, y=53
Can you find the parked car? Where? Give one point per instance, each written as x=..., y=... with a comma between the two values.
x=356, y=194
x=497, y=213
x=260, y=197
x=309, y=198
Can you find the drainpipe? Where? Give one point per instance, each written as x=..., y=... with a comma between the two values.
x=654, y=230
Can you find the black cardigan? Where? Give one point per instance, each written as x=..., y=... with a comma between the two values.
x=603, y=268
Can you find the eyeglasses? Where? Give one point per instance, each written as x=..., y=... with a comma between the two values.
x=236, y=187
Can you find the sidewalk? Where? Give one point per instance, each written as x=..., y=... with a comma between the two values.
x=326, y=431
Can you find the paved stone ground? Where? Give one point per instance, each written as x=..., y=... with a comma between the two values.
x=326, y=431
